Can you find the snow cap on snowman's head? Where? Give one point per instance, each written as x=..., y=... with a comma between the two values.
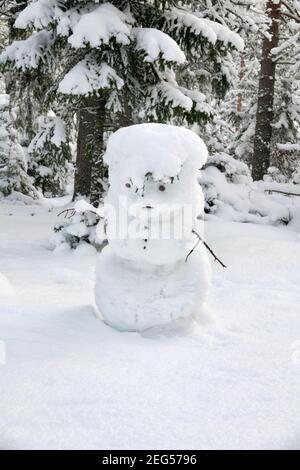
x=159, y=150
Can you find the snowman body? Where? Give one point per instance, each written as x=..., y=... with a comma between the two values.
x=144, y=277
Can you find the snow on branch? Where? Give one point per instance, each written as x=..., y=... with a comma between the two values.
x=158, y=45
x=88, y=76
x=31, y=52
x=289, y=147
x=211, y=30
x=51, y=129
x=100, y=26
x=178, y=18
x=172, y=95
x=225, y=35
x=38, y=14
x=291, y=42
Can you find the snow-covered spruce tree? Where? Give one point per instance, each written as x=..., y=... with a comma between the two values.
x=17, y=86
x=119, y=65
x=14, y=180
x=33, y=106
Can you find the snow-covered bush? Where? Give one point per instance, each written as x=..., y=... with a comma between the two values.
x=81, y=225
x=14, y=180
x=145, y=276
x=221, y=167
x=235, y=170
x=231, y=194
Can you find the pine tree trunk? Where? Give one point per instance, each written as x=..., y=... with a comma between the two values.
x=90, y=146
x=265, y=112
x=239, y=104
x=94, y=120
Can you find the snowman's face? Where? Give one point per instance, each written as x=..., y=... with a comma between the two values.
x=178, y=189
x=153, y=176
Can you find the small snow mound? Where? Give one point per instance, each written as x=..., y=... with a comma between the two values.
x=6, y=289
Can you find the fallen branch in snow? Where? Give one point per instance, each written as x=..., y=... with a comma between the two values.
x=206, y=246
x=66, y=212
x=281, y=192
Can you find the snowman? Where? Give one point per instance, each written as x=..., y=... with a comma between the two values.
x=150, y=273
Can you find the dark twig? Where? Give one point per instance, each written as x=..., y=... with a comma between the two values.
x=281, y=192
x=206, y=246
x=66, y=212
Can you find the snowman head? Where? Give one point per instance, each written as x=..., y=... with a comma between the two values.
x=154, y=163
x=153, y=176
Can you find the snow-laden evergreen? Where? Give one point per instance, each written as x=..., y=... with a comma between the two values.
x=128, y=48
x=14, y=180
x=120, y=60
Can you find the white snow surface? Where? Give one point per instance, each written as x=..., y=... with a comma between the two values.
x=71, y=382
x=6, y=289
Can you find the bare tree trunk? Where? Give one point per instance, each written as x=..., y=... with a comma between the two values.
x=90, y=145
x=265, y=112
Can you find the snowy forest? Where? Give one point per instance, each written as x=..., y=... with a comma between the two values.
x=149, y=224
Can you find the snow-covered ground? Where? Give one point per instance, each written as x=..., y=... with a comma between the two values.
x=70, y=381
